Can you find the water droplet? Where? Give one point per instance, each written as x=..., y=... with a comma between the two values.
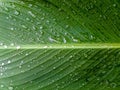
x=103, y=72
x=20, y=66
x=24, y=26
x=64, y=40
x=30, y=5
x=114, y=5
x=18, y=47
x=12, y=44
x=67, y=17
x=74, y=40
x=21, y=62
x=6, y=9
x=1, y=86
x=92, y=37
x=71, y=56
x=100, y=16
x=27, y=19
x=26, y=54
x=104, y=17
x=33, y=15
x=3, y=64
x=54, y=19
x=72, y=46
x=45, y=46
x=34, y=28
x=11, y=28
x=16, y=12
x=98, y=79
x=113, y=85
x=5, y=46
x=42, y=18
x=47, y=21
x=1, y=43
x=10, y=88
x=66, y=26
x=28, y=65
x=1, y=74
x=9, y=61
x=83, y=84
x=54, y=67
x=52, y=40
x=41, y=27
x=38, y=23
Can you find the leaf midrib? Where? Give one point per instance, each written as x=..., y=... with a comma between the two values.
x=64, y=46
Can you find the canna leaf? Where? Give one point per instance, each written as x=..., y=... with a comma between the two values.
x=59, y=45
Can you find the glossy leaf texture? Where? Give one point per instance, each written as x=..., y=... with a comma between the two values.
x=66, y=21
x=59, y=44
x=61, y=69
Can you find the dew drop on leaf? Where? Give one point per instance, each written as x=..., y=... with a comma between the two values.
x=6, y=9
x=51, y=39
x=10, y=88
x=71, y=56
x=26, y=54
x=66, y=26
x=11, y=28
x=113, y=85
x=42, y=18
x=64, y=40
x=12, y=44
x=74, y=40
x=100, y=15
x=98, y=79
x=28, y=19
x=21, y=62
x=9, y=61
x=5, y=46
x=34, y=28
x=83, y=84
x=24, y=26
x=20, y=66
x=48, y=21
x=114, y=5
x=1, y=85
x=1, y=43
x=54, y=67
x=28, y=65
x=30, y=5
x=16, y=12
x=1, y=74
x=41, y=27
x=67, y=17
x=33, y=15
x=92, y=37
x=18, y=47
x=45, y=46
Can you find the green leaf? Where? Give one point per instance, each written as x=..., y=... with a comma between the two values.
x=59, y=45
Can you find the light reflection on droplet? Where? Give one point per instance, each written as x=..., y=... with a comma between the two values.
x=5, y=46
x=9, y=61
x=10, y=88
x=18, y=47
x=16, y=12
x=2, y=86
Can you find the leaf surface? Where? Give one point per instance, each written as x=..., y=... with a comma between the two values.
x=59, y=45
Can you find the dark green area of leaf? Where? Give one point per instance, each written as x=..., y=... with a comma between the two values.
x=69, y=69
x=61, y=21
